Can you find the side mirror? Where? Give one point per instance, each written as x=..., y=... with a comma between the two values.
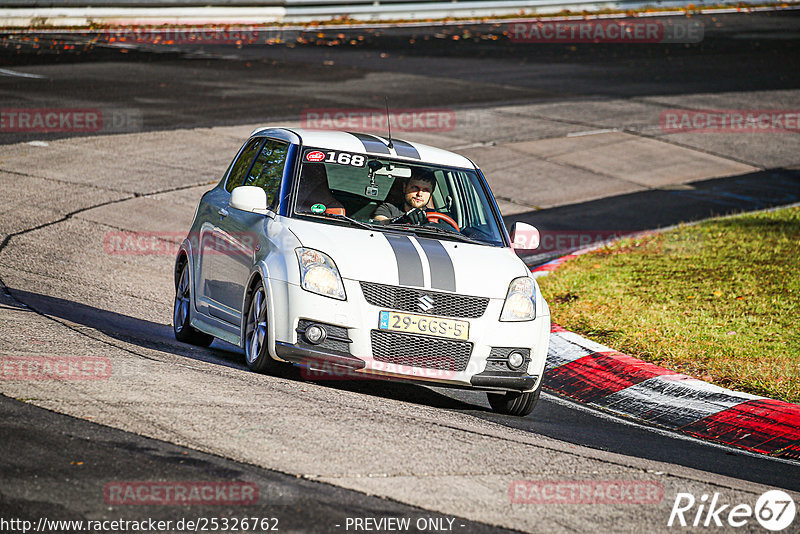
x=249, y=198
x=524, y=236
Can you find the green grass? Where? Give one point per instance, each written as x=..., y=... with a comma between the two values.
x=719, y=301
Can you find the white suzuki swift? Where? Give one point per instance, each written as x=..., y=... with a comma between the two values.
x=336, y=250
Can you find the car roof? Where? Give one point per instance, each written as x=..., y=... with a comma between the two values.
x=374, y=145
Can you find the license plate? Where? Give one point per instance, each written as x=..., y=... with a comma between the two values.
x=422, y=324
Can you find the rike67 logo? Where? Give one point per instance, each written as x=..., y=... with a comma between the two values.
x=774, y=510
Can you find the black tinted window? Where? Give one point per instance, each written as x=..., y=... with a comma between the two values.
x=242, y=165
x=267, y=171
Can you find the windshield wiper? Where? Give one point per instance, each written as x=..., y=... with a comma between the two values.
x=435, y=230
x=348, y=219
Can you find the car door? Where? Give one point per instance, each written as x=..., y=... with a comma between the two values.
x=239, y=232
x=211, y=286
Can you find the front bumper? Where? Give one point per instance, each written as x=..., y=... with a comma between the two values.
x=330, y=364
x=314, y=356
x=359, y=320
x=489, y=380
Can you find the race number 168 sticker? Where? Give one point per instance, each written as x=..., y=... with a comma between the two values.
x=334, y=156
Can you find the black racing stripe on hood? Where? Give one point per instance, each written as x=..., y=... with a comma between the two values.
x=443, y=275
x=371, y=143
x=409, y=264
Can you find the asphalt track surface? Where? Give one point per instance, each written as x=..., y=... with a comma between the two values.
x=34, y=434
x=742, y=56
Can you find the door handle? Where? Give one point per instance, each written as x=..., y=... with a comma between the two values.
x=222, y=212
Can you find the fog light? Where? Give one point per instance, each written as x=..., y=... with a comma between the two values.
x=515, y=360
x=315, y=334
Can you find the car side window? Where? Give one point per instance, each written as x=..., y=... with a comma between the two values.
x=242, y=164
x=267, y=171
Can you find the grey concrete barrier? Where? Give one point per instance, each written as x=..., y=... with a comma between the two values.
x=61, y=13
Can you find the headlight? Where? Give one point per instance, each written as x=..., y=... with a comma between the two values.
x=319, y=274
x=520, y=302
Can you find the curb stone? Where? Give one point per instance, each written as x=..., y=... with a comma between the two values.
x=604, y=378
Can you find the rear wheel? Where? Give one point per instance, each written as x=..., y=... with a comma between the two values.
x=184, y=331
x=518, y=404
x=256, y=346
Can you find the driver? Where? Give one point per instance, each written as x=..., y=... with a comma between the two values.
x=417, y=191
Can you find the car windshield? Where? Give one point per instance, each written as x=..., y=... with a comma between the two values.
x=355, y=189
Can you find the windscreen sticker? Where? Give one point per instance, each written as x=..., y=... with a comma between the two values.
x=335, y=156
x=315, y=156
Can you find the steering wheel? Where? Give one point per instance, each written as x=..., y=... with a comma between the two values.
x=435, y=217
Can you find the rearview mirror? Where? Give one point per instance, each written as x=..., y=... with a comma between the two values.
x=524, y=236
x=397, y=171
x=249, y=198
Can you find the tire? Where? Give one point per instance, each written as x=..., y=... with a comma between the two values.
x=184, y=331
x=256, y=334
x=517, y=404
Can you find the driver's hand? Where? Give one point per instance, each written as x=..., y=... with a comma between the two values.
x=413, y=216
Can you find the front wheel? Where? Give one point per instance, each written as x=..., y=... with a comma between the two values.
x=256, y=334
x=518, y=404
x=184, y=331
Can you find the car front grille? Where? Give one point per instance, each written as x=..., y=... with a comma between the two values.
x=413, y=300
x=420, y=351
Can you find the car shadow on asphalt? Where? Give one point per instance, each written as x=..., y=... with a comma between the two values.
x=160, y=337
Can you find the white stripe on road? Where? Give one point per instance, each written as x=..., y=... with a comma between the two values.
x=673, y=400
x=7, y=72
x=562, y=351
x=582, y=342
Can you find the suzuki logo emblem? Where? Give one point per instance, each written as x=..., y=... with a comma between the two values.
x=425, y=303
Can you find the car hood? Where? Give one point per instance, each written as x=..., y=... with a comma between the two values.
x=415, y=261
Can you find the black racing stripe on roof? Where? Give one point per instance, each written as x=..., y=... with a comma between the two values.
x=371, y=143
x=405, y=149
